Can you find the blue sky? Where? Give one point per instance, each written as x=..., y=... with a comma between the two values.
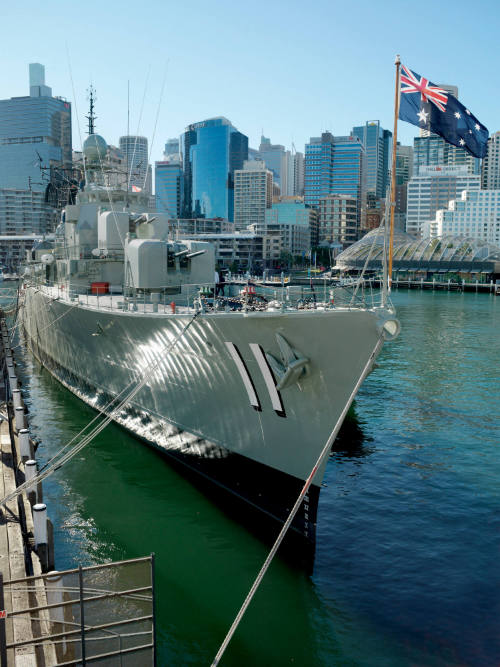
x=291, y=68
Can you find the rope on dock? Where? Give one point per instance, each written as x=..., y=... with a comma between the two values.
x=324, y=453
x=60, y=458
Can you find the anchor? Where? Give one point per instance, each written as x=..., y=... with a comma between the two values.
x=290, y=368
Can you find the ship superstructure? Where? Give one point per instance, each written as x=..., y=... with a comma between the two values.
x=241, y=388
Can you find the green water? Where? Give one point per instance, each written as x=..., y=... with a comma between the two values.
x=408, y=532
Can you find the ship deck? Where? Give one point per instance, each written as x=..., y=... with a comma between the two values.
x=269, y=301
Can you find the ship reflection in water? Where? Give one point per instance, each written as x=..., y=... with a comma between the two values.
x=352, y=441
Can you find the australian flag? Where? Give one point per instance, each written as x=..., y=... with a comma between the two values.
x=430, y=107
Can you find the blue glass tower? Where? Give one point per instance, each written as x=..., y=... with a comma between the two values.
x=212, y=150
x=333, y=165
x=378, y=146
x=169, y=186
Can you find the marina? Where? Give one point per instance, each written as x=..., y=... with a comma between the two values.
x=405, y=568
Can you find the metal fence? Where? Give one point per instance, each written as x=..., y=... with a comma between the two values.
x=97, y=615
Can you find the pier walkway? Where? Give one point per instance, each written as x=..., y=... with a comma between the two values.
x=18, y=557
x=100, y=614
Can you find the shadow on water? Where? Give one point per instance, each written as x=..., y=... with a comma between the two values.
x=352, y=441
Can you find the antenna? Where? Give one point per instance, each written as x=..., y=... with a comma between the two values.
x=91, y=117
x=128, y=133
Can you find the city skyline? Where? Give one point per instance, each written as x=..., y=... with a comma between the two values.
x=288, y=75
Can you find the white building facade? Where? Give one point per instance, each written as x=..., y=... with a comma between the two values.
x=432, y=189
x=135, y=150
x=476, y=214
x=253, y=194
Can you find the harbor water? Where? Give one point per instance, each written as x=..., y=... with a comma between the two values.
x=408, y=545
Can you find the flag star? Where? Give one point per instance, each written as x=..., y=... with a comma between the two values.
x=461, y=142
x=470, y=131
x=457, y=115
x=467, y=112
x=422, y=116
x=477, y=126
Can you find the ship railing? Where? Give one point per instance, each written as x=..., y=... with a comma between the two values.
x=209, y=297
x=87, y=252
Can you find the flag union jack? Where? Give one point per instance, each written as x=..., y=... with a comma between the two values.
x=412, y=83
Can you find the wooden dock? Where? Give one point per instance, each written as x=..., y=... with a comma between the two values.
x=18, y=556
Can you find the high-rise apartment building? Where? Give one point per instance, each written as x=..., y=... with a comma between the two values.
x=338, y=220
x=35, y=140
x=253, y=194
x=212, y=150
x=490, y=174
x=378, y=147
x=432, y=189
x=135, y=150
x=298, y=174
x=333, y=165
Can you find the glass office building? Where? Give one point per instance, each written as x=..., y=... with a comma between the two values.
x=433, y=151
x=333, y=165
x=378, y=147
x=35, y=131
x=212, y=150
x=169, y=186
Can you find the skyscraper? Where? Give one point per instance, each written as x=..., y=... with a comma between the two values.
x=280, y=162
x=298, y=174
x=434, y=151
x=211, y=151
x=253, y=194
x=490, y=175
x=378, y=147
x=172, y=149
x=404, y=164
x=333, y=165
x=135, y=150
x=169, y=186
x=35, y=133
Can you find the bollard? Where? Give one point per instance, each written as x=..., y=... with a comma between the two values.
x=24, y=444
x=17, y=398
x=41, y=534
x=20, y=421
x=13, y=382
x=54, y=587
x=40, y=523
x=29, y=474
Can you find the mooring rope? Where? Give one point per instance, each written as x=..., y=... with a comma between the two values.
x=324, y=453
x=59, y=459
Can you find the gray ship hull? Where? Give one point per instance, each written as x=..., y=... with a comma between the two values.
x=209, y=402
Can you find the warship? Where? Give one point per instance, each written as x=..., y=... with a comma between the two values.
x=240, y=390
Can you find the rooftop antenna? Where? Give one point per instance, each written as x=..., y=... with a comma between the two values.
x=91, y=117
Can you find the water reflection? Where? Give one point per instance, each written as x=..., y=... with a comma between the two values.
x=352, y=441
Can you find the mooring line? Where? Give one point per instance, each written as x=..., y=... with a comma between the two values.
x=324, y=453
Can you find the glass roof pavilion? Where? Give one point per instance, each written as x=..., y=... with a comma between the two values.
x=452, y=253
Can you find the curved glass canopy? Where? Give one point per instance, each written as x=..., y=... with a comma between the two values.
x=407, y=248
